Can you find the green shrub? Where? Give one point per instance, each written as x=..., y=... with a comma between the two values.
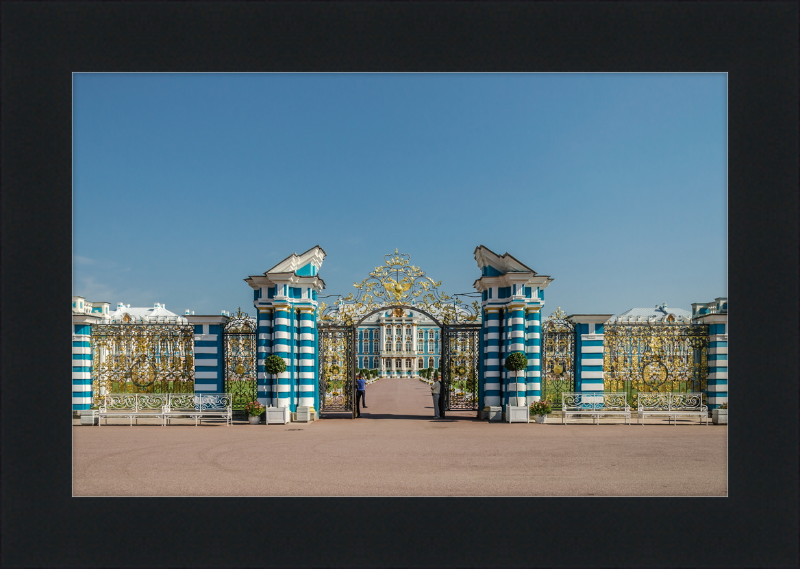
x=274, y=365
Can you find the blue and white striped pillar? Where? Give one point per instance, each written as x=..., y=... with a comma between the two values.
x=282, y=333
x=533, y=349
x=266, y=391
x=82, y=362
x=589, y=350
x=512, y=296
x=715, y=315
x=307, y=358
x=517, y=381
x=208, y=352
x=717, y=386
x=491, y=343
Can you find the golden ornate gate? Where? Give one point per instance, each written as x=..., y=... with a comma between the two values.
x=655, y=357
x=398, y=284
x=558, y=358
x=337, y=365
x=239, y=349
x=135, y=357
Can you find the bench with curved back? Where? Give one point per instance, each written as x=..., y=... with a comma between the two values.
x=165, y=406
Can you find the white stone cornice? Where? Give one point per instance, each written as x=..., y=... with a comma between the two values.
x=509, y=279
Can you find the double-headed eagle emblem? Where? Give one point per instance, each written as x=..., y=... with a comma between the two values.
x=394, y=288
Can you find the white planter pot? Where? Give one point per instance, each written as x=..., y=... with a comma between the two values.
x=254, y=419
x=303, y=414
x=540, y=418
x=517, y=414
x=719, y=416
x=277, y=415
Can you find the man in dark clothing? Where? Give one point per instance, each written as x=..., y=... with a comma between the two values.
x=361, y=391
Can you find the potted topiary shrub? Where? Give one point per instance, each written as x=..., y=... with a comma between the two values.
x=719, y=416
x=516, y=362
x=254, y=410
x=540, y=410
x=274, y=365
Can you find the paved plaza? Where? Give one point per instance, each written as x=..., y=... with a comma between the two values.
x=396, y=448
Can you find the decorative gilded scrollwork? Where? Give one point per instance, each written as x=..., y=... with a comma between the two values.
x=460, y=360
x=398, y=282
x=558, y=357
x=142, y=358
x=655, y=357
x=240, y=371
x=336, y=368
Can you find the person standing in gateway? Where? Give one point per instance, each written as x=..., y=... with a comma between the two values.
x=436, y=388
x=361, y=391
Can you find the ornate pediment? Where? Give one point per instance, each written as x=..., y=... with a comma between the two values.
x=399, y=283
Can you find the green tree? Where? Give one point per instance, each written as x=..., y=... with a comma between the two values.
x=274, y=365
x=516, y=362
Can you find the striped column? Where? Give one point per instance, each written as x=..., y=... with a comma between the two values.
x=590, y=357
x=516, y=343
x=533, y=348
x=306, y=358
x=266, y=389
x=81, y=367
x=717, y=390
x=481, y=366
x=282, y=347
x=491, y=342
x=208, y=353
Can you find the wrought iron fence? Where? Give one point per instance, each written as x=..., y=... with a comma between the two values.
x=558, y=358
x=240, y=371
x=661, y=357
x=133, y=357
x=337, y=368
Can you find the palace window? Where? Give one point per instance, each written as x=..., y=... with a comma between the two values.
x=399, y=346
x=375, y=346
x=408, y=346
x=430, y=362
x=408, y=364
x=388, y=346
x=430, y=346
x=419, y=335
x=397, y=364
x=419, y=363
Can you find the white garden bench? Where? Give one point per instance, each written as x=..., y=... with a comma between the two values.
x=131, y=406
x=671, y=405
x=199, y=406
x=595, y=404
x=165, y=406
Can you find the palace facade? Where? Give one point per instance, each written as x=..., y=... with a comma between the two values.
x=399, y=343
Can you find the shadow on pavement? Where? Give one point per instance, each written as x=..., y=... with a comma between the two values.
x=365, y=415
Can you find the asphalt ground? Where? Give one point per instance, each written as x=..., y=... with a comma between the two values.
x=396, y=448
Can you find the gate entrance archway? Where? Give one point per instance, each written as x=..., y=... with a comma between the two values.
x=399, y=286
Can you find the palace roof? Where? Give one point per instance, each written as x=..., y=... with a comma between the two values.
x=659, y=313
x=157, y=313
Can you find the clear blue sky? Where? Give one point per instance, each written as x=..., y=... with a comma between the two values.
x=615, y=185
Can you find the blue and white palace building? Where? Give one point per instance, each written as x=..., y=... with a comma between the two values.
x=396, y=341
